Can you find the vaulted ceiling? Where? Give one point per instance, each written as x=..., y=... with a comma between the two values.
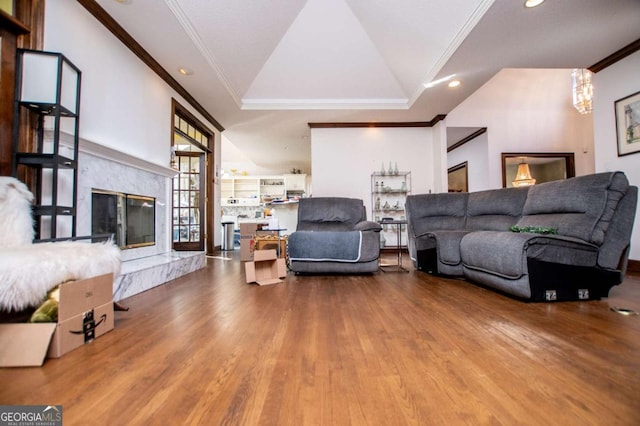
x=264, y=69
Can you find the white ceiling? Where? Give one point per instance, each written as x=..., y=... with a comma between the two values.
x=264, y=69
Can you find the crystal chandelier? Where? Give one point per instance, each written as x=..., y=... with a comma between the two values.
x=523, y=176
x=582, y=90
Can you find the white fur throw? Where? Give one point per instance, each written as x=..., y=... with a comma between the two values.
x=28, y=272
x=16, y=223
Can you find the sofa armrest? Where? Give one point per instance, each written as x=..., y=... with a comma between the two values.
x=368, y=225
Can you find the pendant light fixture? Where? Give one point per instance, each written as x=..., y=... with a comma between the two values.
x=582, y=90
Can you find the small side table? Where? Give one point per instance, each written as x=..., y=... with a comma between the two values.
x=398, y=225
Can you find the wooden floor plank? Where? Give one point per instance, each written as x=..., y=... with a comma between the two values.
x=388, y=348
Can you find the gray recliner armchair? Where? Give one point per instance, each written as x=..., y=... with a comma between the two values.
x=333, y=235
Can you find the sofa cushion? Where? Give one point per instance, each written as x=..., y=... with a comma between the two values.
x=329, y=213
x=580, y=207
x=495, y=210
x=326, y=246
x=499, y=253
x=368, y=225
x=431, y=212
x=448, y=245
x=505, y=253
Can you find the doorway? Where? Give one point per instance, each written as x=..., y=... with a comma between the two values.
x=191, y=187
x=188, y=203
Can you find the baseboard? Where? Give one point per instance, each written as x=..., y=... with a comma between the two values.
x=633, y=266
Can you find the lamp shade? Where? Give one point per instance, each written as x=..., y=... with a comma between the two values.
x=49, y=78
x=523, y=176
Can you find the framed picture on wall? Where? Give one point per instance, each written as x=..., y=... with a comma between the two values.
x=459, y=178
x=628, y=124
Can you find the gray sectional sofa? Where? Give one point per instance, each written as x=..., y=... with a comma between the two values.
x=333, y=236
x=571, y=238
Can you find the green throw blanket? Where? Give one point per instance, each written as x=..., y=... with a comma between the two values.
x=545, y=230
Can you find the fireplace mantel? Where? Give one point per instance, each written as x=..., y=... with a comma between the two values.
x=115, y=155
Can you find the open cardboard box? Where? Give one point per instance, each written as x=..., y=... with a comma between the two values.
x=85, y=311
x=266, y=268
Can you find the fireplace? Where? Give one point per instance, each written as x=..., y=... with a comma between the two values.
x=150, y=261
x=129, y=218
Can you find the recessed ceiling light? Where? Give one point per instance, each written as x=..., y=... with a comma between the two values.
x=438, y=81
x=454, y=83
x=185, y=71
x=532, y=3
x=123, y=1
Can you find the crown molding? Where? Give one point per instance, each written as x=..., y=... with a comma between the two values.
x=615, y=57
x=116, y=29
x=188, y=28
x=323, y=104
x=466, y=139
x=346, y=125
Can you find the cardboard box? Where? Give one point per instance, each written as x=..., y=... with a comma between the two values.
x=270, y=242
x=248, y=232
x=85, y=311
x=247, y=242
x=80, y=329
x=25, y=344
x=266, y=268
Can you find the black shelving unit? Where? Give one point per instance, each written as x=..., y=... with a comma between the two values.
x=52, y=106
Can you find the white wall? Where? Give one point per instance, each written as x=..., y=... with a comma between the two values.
x=124, y=105
x=342, y=159
x=233, y=158
x=526, y=110
x=615, y=82
x=476, y=154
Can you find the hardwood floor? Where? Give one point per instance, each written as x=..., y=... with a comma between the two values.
x=383, y=349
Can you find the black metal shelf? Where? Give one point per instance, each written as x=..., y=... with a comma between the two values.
x=45, y=160
x=49, y=210
x=46, y=165
x=48, y=109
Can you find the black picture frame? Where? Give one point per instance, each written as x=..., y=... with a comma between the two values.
x=627, y=111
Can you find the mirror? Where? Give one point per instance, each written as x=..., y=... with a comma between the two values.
x=543, y=166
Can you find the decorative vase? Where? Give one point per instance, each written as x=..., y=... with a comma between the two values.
x=403, y=188
x=395, y=169
x=390, y=169
x=382, y=169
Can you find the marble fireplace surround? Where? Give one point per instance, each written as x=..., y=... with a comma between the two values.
x=100, y=167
